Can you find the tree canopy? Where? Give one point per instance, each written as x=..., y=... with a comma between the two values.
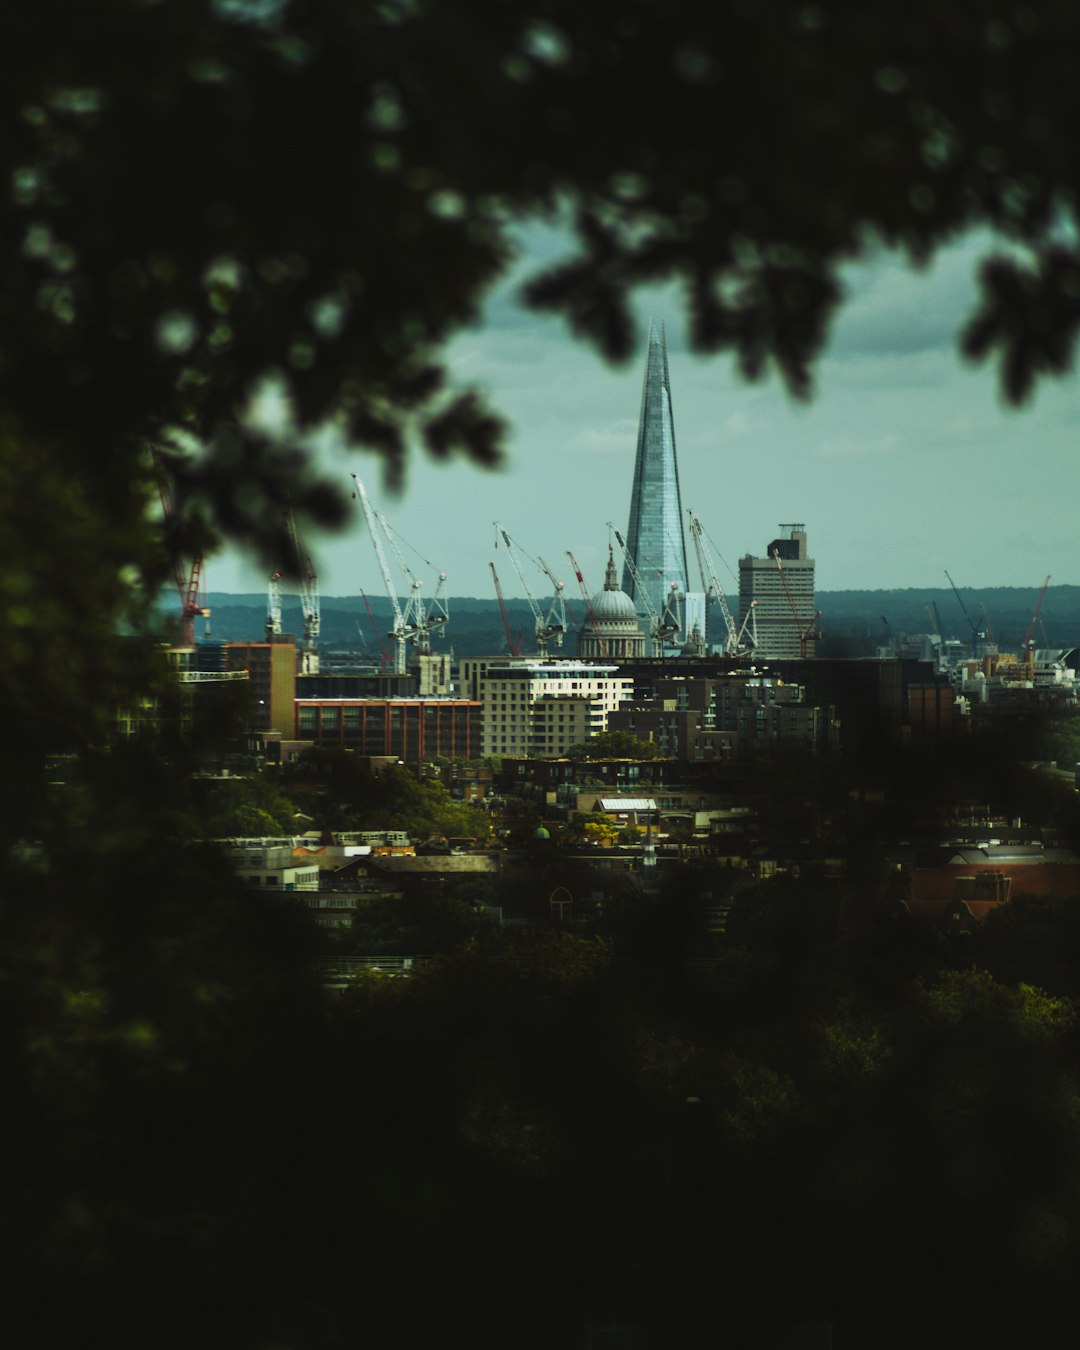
x=616, y=745
x=201, y=196
x=321, y=192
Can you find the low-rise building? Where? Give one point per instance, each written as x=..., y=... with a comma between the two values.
x=407, y=729
x=270, y=864
x=663, y=807
x=720, y=718
x=540, y=709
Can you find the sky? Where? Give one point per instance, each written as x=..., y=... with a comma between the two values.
x=905, y=462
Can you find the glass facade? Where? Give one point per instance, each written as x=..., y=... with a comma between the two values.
x=654, y=534
x=411, y=730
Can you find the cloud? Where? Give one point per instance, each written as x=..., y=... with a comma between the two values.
x=618, y=438
x=740, y=424
x=895, y=309
x=902, y=463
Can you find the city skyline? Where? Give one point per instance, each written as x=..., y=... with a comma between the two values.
x=903, y=464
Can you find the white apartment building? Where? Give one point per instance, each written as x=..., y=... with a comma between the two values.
x=539, y=709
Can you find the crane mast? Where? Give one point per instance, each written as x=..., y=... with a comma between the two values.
x=398, y=633
x=735, y=644
x=976, y=636
x=415, y=623
x=807, y=632
x=309, y=596
x=586, y=597
x=420, y=620
x=513, y=643
x=297, y=562
x=273, y=606
x=1028, y=645
x=548, y=627
x=666, y=625
x=557, y=608
x=384, y=651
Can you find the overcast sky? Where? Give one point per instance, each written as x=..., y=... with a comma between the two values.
x=905, y=462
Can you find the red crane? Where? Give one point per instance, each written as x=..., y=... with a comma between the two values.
x=384, y=651
x=512, y=642
x=1028, y=646
x=807, y=632
x=585, y=596
x=189, y=585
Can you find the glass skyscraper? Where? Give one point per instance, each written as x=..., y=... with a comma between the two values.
x=654, y=536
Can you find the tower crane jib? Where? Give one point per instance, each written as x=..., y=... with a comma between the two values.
x=736, y=643
x=420, y=619
x=808, y=632
x=550, y=627
x=397, y=634
x=661, y=627
x=416, y=622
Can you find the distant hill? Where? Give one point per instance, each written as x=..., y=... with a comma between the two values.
x=850, y=620
x=1004, y=611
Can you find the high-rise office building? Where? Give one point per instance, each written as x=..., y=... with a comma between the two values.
x=780, y=587
x=654, y=536
x=271, y=668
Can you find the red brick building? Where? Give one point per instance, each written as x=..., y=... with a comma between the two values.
x=410, y=729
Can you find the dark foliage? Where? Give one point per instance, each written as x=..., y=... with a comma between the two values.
x=203, y=196
x=322, y=191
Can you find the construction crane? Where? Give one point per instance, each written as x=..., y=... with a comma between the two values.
x=300, y=562
x=807, y=632
x=549, y=627
x=421, y=619
x=297, y=563
x=586, y=597
x=398, y=633
x=384, y=651
x=662, y=627
x=273, y=606
x=736, y=643
x=1028, y=645
x=890, y=635
x=512, y=642
x=189, y=583
x=558, y=601
x=581, y=585
x=976, y=636
x=414, y=623
x=935, y=624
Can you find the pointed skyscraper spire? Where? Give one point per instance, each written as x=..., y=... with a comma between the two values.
x=654, y=535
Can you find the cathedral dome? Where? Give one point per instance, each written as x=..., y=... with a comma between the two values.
x=611, y=628
x=613, y=607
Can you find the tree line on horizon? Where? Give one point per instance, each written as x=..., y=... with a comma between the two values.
x=851, y=616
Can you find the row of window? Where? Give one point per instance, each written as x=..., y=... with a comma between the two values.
x=301, y=881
